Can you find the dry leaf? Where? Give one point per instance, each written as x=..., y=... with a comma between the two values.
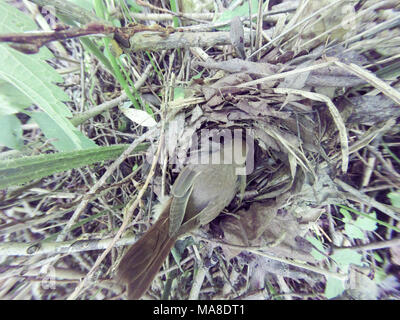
x=265, y=140
x=246, y=227
x=260, y=108
x=259, y=226
x=261, y=266
x=371, y=109
x=289, y=246
x=297, y=81
x=139, y=117
x=329, y=19
x=237, y=36
x=226, y=85
x=361, y=286
x=242, y=66
x=395, y=255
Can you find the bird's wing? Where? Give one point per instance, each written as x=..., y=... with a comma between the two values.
x=202, y=218
x=184, y=182
x=181, y=191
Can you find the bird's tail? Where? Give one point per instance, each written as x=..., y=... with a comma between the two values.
x=143, y=260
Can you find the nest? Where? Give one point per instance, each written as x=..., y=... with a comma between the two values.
x=318, y=95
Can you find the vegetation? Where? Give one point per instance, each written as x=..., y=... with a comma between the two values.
x=97, y=117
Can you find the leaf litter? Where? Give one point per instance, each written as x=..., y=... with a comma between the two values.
x=319, y=102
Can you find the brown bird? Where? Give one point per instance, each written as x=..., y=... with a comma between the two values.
x=199, y=194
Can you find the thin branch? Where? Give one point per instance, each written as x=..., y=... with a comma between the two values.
x=127, y=218
x=157, y=42
x=84, y=116
x=372, y=246
x=72, y=246
x=363, y=198
x=136, y=37
x=102, y=181
x=31, y=42
x=298, y=264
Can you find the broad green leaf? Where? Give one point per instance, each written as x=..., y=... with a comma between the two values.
x=387, y=225
x=365, y=223
x=33, y=77
x=30, y=76
x=240, y=11
x=134, y=7
x=345, y=257
x=179, y=93
x=346, y=214
x=334, y=287
x=18, y=171
x=394, y=198
x=317, y=244
x=11, y=99
x=354, y=228
x=58, y=137
x=85, y=4
x=353, y=231
x=11, y=132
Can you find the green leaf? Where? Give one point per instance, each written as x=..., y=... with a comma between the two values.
x=354, y=228
x=85, y=4
x=353, y=231
x=11, y=132
x=134, y=7
x=346, y=214
x=11, y=99
x=18, y=171
x=365, y=223
x=240, y=11
x=14, y=20
x=179, y=93
x=33, y=77
x=175, y=20
x=91, y=47
x=394, y=198
x=395, y=158
x=334, y=287
x=377, y=257
x=317, y=244
x=380, y=275
x=387, y=225
x=345, y=257
x=177, y=258
x=57, y=135
x=199, y=75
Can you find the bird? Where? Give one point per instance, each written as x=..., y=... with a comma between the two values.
x=200, y=193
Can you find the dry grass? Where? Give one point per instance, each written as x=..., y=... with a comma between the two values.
x=319, y=93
